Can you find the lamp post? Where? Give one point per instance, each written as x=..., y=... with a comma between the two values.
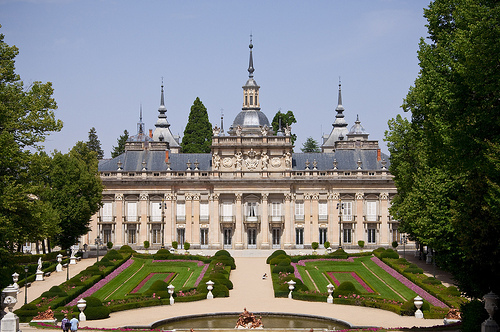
x=163, y=206
x=340, y=206
x=404, y=239
x=98, y=242
x=67, y=264
x=25, y=284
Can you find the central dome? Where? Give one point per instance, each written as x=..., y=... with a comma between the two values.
x=251, y=119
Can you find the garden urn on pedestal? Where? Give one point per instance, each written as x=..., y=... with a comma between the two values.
x=171, y=292
x=210, y=286
x=490, y=304
x=418, y=303
x=10, y=322
x=330, y=288
x=59, y=265
x=81, y=304
x=72, y=259
x=291, y=286
x=15, y=278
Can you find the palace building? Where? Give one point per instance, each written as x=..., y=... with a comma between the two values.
x=251, y=192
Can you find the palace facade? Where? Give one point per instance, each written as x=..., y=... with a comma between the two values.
x=251, y=192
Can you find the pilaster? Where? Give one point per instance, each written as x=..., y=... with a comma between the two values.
x=265, y=222
x=238, y=228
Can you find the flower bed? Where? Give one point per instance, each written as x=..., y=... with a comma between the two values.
x=425, y=295
x=101, y=282
x=355, y=276
x=202, y=274
x=200, y=263
x=145, y=280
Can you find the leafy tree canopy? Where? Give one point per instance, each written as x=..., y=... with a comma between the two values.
x=118, y=150
x=287, y=119
x=94, y=144
x=310, y=145
x=198, y=132
x=445, y=158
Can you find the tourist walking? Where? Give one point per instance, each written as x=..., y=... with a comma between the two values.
x=74, y=324
x=65, y=324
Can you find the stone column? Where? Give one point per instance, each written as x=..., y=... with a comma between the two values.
x=289, y=222
x=119, y=206
x=307, y=220
x=360, y=230
x=314, y=217
x=195, y=219
x=144, y=211
x=214, y=231
x=169, y=226
x=333, y=227
x=264, y=222
x=189, y=214
x=384, y=215
x=238, y=228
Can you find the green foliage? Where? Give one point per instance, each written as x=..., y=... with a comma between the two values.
x=452, y=290
x=310, y=145
x=222, y=253
x=95, y=309
x=473, y=314
x=339, y=254
x=162, y=254
x=445, y=159
x=113, y=254
x=389, y=253
x=198, y=132
x=287, y=119
x=326, y=244
x=120, y=148
x=126, y=249
x=54, y=291
x=94, y=144
x=345, y=288
x=175, y=244
x=361, y=244
x=275, y=253
x=146, y=244
x=109, y=245
x=187, y=245
x=395, y=244
x=432, y=281
x=276, y=260
x=315, y=245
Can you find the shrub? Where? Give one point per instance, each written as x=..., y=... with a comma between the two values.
x=220, y=291
x=227, y=261
x=431, y=281
x=395, y=244
x=109, y=245
x=281, y=268
x=345, y=288
x=326, y=245
x=453, y=291
x=126, y=248
x=280, y=258
x=402, y=261
x=162, y=254
x=473, y=314
x=93, y=313
x=222, y=253
x=314, y=245
x=146, y=245
x=93, y=301
x=389, y=253
x=276, y=253
x=187, y=245
x=113, y=255
x=175, y=244
x=361, y=244
x=54, y=291
x=339, y=254
x=414, y=270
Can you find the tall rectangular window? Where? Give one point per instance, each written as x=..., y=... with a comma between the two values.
x=156, y=234
x=347, y=211
x=276, y=209
x=299, y=236
x=181, y=211
x=227, y=211
x=106, y=232
x=181, y=236
x=107, y=212
x=371, y=211
x=204, y=236
x=323, y=235
x=371, y=235
x=132, y=211
x=347, y=235
x=322, y=211
x=131, y=233
x=299, y=210
x=204, y=212
x=155, y=212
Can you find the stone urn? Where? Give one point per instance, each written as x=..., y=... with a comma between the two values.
x=59, y=267
x=10, y=321
x=210, y=286
x=81, y=304
x=15, y=279
x=418, y=301
x=330, y=288
x=291, y=286
x=490, y=304
x=171, y=292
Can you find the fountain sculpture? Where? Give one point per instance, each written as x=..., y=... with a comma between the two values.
x=247, y=320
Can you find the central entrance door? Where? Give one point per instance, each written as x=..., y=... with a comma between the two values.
x=252, y=238
x=276, y=238
x=227, y=235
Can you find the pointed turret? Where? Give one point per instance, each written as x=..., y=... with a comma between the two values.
x=339, y=130
x=162, y=131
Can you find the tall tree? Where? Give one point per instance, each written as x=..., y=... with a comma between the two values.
x=76, y=191
x=198, y=132
x=94, y=144
x=287, y=119
x=120, y=148
x=445, y=160
x=26, y=118
x=310, y=145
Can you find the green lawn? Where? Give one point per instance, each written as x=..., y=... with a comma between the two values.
x=382, y=288
x=185, y=277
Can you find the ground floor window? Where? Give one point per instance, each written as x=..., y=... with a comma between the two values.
x=395, y=234
x=106, y=232
x=347, y=235
x=181, y=236
x=252, y=238
x=299, y=236
x=131, y=234
x=323, y=235
x=276, y=238
x=227, y=237
x=204, y=236
x=371, y=235
x=156, y=234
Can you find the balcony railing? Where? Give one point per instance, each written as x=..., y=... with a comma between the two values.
x=252, y=219
x=372, y=218
x=204, y=218
x=299, y=217
x=227, y=219
x=131, y=218
x=106, y=219
x=154, y=218
x=180, y=218
x=323, y=217
x=276, y=218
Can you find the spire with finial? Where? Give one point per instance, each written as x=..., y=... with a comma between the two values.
x=250, y=62
x=221, y=121
x=140, y=125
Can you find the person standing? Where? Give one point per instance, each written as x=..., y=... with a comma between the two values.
x=65, y=324
x=74, y=324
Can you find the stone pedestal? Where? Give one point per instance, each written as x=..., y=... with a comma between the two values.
x=210, y=286
x=59, y=267
x=418, y=301
x=39, y=276
x=10, y=323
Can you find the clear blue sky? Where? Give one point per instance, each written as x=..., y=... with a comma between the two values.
x=106, y=58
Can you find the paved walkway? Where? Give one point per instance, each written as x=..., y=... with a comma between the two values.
x=256, y=295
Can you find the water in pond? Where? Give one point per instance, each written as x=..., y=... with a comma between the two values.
x=269, y=321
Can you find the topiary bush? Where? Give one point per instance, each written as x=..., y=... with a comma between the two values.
x=187, y=245
x=54, y=291
x=162, y=254
x=222, y=253
x=109, y=245
x=276, y=253
x=431, y=281
x=408, y=308
x=127, y=249
x=113, y=255
x=315, y=245
x=361, y=244
x=159, y=288
x=339, y=254
x=395, y=244
x=453, y=291
x=95, y=309
x=276, y=260
x=326, y=245
x=345, y=288
x=283, y=268
x=175, y=244
x=413, y=268
x=220, y=291
x=389, y=253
